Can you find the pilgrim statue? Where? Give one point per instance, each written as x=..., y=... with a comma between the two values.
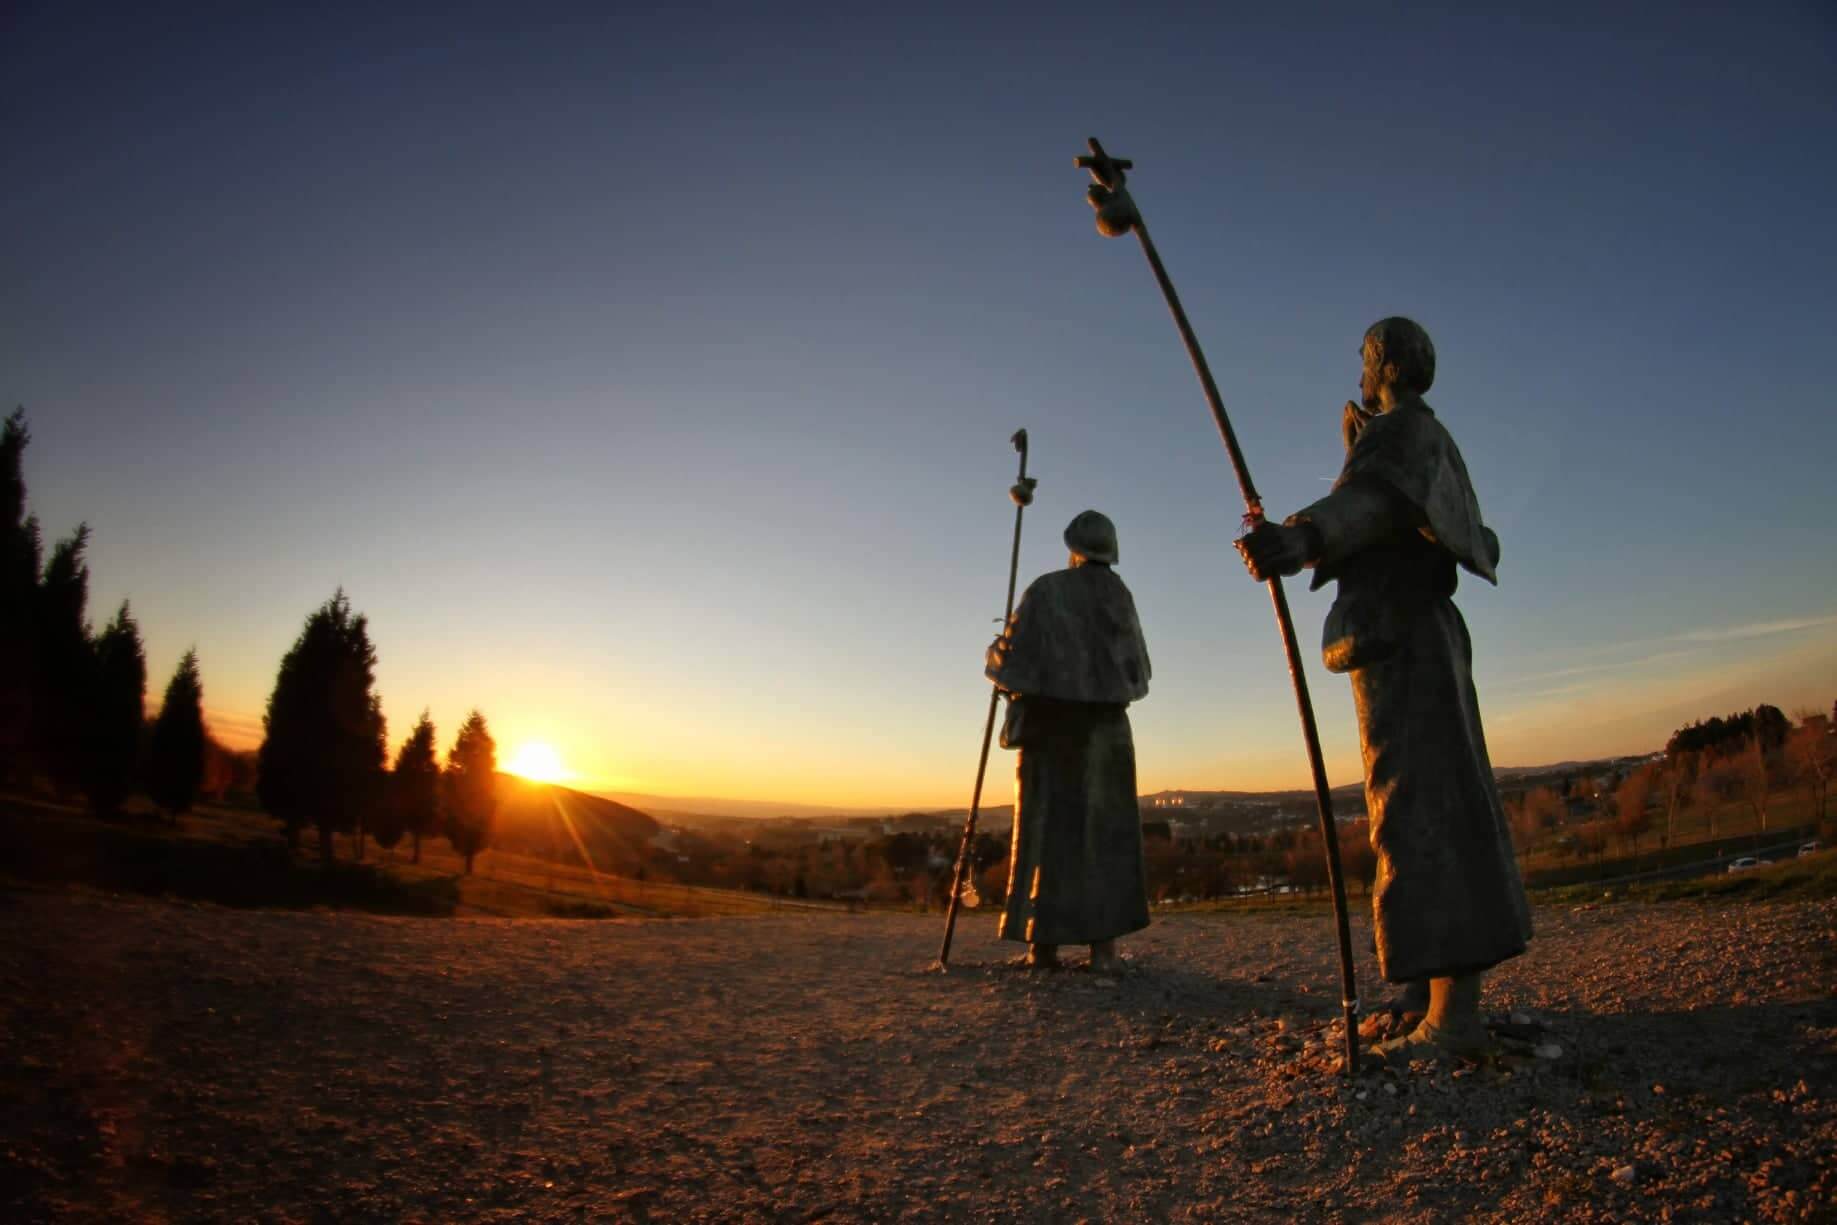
x=1447, y=903
x=1071, y=660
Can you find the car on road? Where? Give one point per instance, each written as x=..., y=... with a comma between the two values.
x=1810, y=848
x=1744, y=863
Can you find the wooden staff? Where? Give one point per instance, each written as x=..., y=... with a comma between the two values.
x=1022, y=493
x=1117, y=215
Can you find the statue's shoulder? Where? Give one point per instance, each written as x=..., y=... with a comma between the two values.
x=1053, y=582
x=1408, y=436
x=1055, y=589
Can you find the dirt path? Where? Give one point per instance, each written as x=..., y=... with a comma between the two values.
x=198, y=1063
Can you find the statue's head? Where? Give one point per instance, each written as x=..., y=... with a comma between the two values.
x=1091, y=537
x=1398, y=355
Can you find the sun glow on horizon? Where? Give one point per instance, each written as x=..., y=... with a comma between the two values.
x=537, y=762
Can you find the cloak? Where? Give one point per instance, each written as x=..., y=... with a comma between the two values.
x=1411, y=453
x=1075, y=637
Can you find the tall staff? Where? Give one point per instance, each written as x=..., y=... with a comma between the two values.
x=1022, y=493
x=1116, y=216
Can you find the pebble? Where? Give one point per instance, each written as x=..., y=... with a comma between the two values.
x=1549, y=1050
x=1626, y=1175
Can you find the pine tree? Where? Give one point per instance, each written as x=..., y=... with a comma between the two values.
x=471, y=789
x=65, y=675
x=19, y=562
x=175, y=761
x=416, y=785
x=117, y=713
x=322, y=755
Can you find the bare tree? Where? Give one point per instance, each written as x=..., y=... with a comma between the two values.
x=1676, y=775
x=1722, y=781
x=1812, y=753
x=1630, y=815
x=1539, y=812
x=1757, y=779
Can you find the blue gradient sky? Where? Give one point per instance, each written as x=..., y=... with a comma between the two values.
x=646, y=374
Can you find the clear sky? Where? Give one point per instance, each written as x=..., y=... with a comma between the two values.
x=645, y=373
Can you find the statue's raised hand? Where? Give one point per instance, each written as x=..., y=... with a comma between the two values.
x=1353, y=420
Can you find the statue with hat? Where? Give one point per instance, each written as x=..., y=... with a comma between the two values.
x=1071, y=660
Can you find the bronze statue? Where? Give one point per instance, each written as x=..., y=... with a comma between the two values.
x=1071, y=660
x=1448, y=903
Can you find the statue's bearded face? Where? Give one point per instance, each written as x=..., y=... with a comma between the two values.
x=1373, y=379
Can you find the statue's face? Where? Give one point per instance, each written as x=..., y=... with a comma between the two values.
x=1372, y=380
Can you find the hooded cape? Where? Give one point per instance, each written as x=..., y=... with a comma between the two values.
x=1412, y=454
x=1074, y=637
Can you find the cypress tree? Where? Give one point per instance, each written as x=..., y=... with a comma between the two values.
x=322, y=753
x=20, y=555
x=471, y=789
x=175, y=761
x=65, y=674
x=416, y=785
x=117, y=713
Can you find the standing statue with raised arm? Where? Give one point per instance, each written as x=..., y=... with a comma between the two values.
x=1448, y=903
x=1071, y=660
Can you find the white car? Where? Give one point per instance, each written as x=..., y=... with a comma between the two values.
x=1810, y=848
x=1744, y=863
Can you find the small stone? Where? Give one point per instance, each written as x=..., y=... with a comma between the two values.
x=1390, y=1088
x=1549, y=1050
x=1626, y=1175
x=1522, y=1018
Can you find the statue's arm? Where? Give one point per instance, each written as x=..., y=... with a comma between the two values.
x=1014, y=648
x=997, y=657
x=1360, y=513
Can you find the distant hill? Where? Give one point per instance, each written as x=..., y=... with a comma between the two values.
x=706, y=808
x=555, y=822
x=1211, y=812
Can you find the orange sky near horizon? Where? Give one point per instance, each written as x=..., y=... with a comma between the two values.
x=1621, y=704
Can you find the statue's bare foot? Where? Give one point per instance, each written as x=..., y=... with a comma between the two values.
x=1399, y=1014
x=1453, y=1027
x=1042, y=956
x=1432, y=1042
x=1104, y=959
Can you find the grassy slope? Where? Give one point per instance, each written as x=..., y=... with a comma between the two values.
x=236, y=857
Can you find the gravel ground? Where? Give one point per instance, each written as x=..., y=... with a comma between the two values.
x=181, y=1062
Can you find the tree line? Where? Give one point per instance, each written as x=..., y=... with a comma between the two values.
x=72, y=700
x=1748, y=759
x=73, y=711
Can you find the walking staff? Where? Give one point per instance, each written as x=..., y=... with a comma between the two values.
x=1022, y=493
x=1116, y=216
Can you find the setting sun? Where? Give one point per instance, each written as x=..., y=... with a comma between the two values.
x=537, y=762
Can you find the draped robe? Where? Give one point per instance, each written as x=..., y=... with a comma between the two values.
x=1447, y=899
